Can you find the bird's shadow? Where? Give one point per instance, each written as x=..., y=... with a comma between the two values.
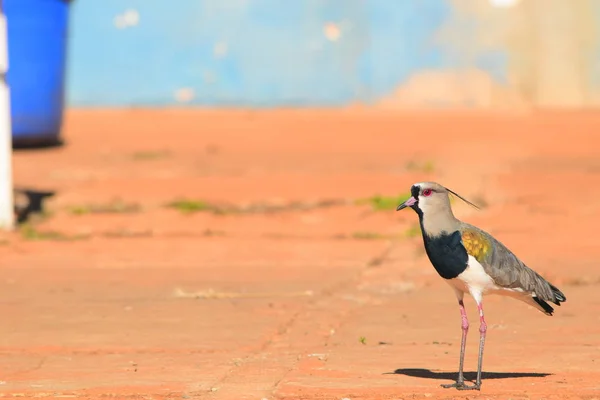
x=469, y=376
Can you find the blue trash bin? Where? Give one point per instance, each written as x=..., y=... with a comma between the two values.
x=37, y=44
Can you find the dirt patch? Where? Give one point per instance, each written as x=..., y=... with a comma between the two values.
x=303, y=283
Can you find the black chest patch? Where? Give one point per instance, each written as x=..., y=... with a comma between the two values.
x=447, y=254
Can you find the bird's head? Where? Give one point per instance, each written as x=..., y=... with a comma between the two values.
x=430, y=197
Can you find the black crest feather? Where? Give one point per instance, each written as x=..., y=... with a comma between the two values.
x=463, y=199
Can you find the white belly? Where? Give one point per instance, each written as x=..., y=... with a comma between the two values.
x=474, y=280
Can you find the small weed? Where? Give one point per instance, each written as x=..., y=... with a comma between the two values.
x=362, y=340
x=370, y=236
x=186, y=206
x=367, y=236
x=35, y=218
x=411, y=166
x=384, y=203
x=413, y=231
x=29, y=232
x=441, y=343
x=150, y=155
x=124, y=233
x=114, y=207
x=426, y=167
x=238, y=361
x=46, y=214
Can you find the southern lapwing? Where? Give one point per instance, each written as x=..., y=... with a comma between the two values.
x=473, y=262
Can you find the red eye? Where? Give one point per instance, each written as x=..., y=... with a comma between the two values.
x=427, y=192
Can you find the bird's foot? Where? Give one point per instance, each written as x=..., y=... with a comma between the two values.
x=462, y=386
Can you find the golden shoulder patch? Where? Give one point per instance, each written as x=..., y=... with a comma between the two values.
x=476, y=244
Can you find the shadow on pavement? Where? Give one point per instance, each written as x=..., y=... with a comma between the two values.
x=469, y=376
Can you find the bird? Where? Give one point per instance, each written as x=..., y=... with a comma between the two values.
x=473, y=262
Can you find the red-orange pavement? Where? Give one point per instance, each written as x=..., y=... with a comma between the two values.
x=321, y=303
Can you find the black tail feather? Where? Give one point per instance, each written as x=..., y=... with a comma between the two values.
x=559, y=296
x=547, y=307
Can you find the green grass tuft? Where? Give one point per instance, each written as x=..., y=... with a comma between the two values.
x=114, y=207
x=150, y=155
x=384, y=203
x=413, y=231
x=187, y=206
x=29, y=232
x=367, y=235
x=426, y=167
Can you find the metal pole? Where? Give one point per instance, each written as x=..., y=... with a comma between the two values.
x=6, y=187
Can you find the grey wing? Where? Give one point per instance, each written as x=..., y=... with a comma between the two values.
x=509, y=272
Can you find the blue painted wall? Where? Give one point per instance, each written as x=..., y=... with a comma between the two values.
x=253, y=52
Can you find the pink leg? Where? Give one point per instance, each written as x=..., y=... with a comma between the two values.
x=482, y=324
x=482, y=331
x=460, y=382
x=460, y=385
x=463, y=341
x=463, y=316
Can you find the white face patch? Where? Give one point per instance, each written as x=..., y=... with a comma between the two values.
x=425, y=203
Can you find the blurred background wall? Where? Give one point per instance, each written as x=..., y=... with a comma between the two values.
x=478, y=53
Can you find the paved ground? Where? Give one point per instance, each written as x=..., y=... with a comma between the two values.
x=283, y=284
